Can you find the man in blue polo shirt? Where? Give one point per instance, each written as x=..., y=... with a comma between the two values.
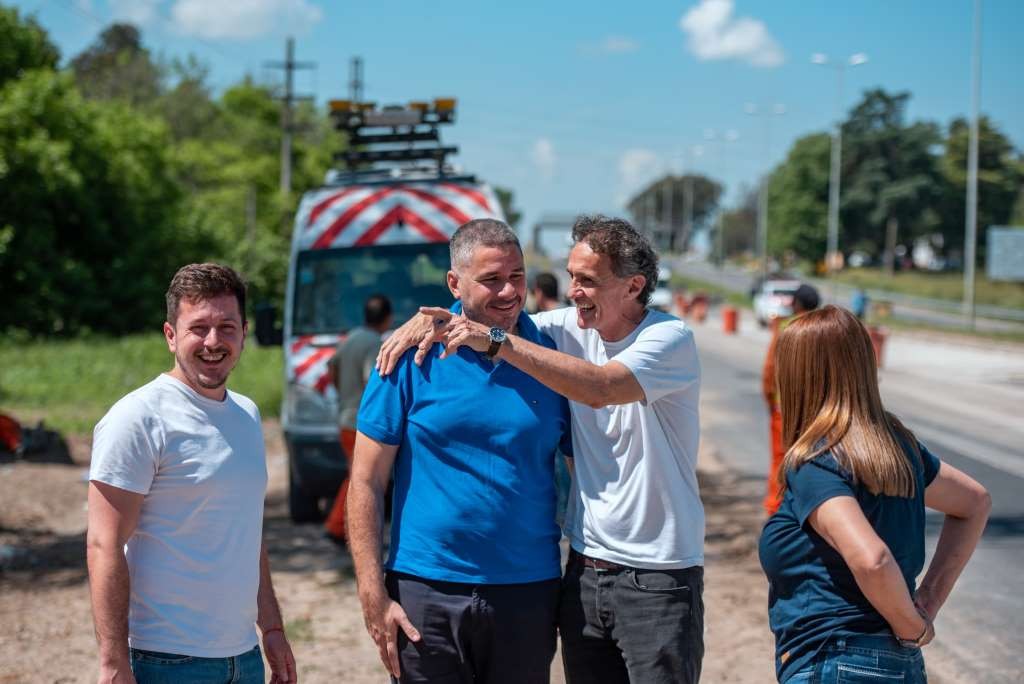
x=469, y=592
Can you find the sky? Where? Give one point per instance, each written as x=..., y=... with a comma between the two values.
x=577, y=105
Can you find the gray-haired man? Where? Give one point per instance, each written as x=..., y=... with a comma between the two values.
x=631, y=606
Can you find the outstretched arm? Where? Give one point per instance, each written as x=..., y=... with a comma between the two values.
x=572, y=377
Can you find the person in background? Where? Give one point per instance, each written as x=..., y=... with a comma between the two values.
x=178, y=572
x=843, y=550
x=545, y=292
x=859, y=303
x=804, y=299
x=351, y=368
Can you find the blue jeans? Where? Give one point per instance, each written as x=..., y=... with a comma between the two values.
x=875, y=659
x=151, y=667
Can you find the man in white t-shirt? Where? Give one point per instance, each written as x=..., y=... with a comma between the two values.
x=177, y=570
x=631, y=606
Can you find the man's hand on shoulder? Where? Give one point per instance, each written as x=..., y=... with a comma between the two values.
x=422, y=330
x=463, y=332
x=383, y=617
x=279, y=656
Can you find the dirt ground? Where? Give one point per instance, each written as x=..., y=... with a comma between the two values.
x=46, y=626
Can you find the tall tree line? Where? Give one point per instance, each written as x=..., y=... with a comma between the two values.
x=120, y=167
x=900, y=181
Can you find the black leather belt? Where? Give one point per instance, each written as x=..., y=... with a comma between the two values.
x=596, y=563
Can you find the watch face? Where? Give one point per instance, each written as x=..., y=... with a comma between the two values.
x=497, y=335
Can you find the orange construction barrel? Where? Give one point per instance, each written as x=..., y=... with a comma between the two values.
x=730, y=319
x=878, y=335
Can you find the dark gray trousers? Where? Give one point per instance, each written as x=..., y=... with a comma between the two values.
x=631, y=625
x=476, y=633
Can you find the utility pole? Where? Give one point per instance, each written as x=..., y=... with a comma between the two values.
x=832, y=246
x=355, y=81
x=666, y=209
x=971, y=229
x=762, y=192
x=287, y=101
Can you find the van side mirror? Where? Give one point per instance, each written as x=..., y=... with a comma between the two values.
x=268, y=332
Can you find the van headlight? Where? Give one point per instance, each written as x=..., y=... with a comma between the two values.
x=306, y=406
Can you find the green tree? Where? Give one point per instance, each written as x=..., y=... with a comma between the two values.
x=739, y=226
x=87, y=209
x=798, y=200
x=506, y=198
x=187, y=106
x=118, y=67
x=24, y=45
x=891, y=181
x=999, y=182
x=651, y=207
x=231, y=176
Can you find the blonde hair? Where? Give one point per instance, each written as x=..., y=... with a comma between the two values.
x=828, y=390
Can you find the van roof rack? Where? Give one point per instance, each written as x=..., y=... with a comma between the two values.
x=393, y=134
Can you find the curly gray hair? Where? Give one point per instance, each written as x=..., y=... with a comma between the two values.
x=630, y=252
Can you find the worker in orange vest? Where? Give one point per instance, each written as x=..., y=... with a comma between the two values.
x=804, y=299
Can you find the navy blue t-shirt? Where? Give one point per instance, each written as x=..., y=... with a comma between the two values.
x=812, y=593
x=474, y=497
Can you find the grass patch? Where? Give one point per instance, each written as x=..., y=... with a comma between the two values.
x=70, y=384
x=945, y=285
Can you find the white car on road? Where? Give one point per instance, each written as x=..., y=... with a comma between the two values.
x=774, y=300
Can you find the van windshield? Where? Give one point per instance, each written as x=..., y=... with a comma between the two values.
x=331, y=285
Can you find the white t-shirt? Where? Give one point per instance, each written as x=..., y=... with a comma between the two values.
x=194, y=557
x=635, y=498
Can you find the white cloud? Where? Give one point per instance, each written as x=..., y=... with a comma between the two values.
x=138, y=12
x=544, y=158
x=713, y=33
x=637, y=167
x=244, y=19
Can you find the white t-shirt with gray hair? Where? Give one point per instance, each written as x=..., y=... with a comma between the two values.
x=635, y=498
x=193, y=560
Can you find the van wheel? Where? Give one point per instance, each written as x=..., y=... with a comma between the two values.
x=302, y=507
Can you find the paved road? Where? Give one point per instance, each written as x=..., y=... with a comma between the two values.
x=906, y=308
x=966, y=405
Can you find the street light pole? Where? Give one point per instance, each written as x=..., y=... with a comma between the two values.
x=832, y=244
x=762, y=194
x=971, y=229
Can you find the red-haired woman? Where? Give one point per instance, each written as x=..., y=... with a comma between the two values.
x=844, y=549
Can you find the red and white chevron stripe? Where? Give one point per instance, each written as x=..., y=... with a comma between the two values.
x=359, y=215
x=307, y=360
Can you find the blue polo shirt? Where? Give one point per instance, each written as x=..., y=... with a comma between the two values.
x=813, y=595
x=474, y=498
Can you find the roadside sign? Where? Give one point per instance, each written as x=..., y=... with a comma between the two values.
x=1005, y=254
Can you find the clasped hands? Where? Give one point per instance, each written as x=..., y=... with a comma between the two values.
x=435, y=324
